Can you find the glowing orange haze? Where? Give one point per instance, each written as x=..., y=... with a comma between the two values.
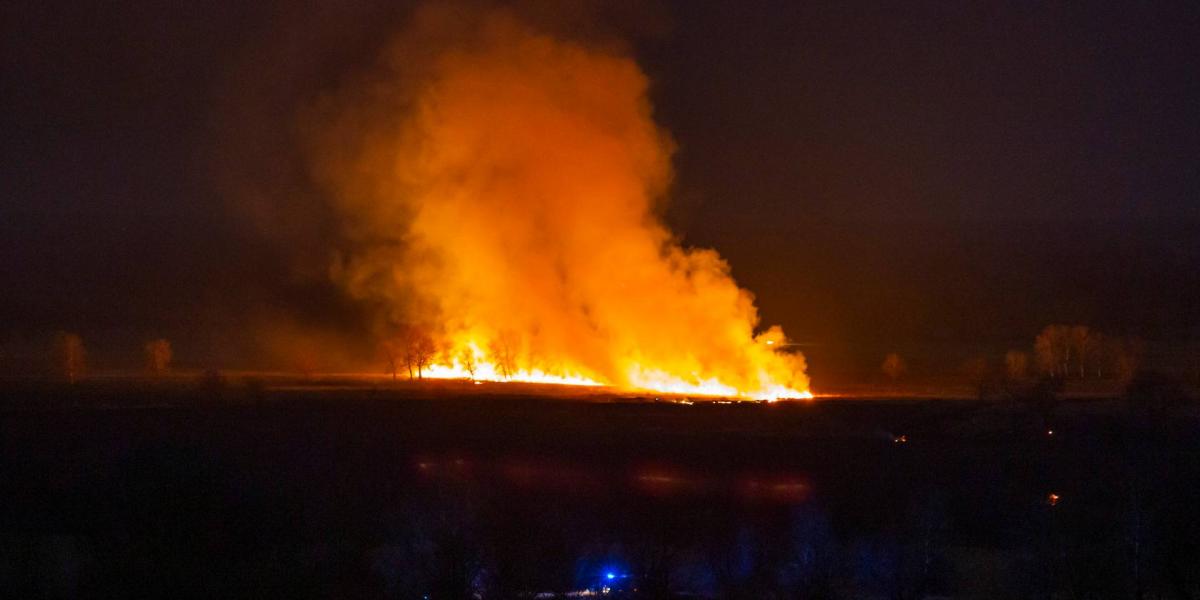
x=501, y=193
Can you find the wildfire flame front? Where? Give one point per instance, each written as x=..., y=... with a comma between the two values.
x=500, y=191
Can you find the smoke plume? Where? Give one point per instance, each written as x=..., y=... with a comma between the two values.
x=500, y=188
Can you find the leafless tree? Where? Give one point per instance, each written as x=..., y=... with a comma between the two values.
x=467, y=359
x=1053, y=350
x=1064, y=351
x=392, y=353
x=1082, y=343
x=419, y=353
x=158, y=356
x=70, y=355
x=1016, y=365
x=893, y=366
x=504, y=351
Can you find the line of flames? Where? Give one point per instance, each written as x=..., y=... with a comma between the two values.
x=650, y=380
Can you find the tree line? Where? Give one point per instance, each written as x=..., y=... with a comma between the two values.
x=1059, y=353
x=415, y=349
x=71, y=363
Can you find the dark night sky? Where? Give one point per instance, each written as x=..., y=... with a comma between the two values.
x=914, y=176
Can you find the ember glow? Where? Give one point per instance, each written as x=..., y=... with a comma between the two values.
x=501, y=191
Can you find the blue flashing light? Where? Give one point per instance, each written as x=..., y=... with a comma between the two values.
x=610, y=576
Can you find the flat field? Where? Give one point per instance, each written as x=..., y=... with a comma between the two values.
x=343, y=489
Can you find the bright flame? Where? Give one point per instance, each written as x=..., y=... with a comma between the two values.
x=484, y=370
x=502, y=199
x=658, y=381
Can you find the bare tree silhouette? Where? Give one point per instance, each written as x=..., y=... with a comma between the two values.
x=467, y=359
x=893, y=366
x=504, y=353
x=1016, y=365
x=419, y=353
x=392, y=352
x=158, y=356
x=70, y=356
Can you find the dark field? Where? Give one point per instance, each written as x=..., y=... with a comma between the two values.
x=211, y=490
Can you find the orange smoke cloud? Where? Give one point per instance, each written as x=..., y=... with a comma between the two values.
x=501, y=188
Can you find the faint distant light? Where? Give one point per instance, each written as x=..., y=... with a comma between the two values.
x=1049, y=432
x=610, y=576
x=900, y=439
x=1052, y=499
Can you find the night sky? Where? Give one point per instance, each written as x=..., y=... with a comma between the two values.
x=922, y=176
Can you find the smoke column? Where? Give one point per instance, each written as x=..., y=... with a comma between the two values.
x=500, y=189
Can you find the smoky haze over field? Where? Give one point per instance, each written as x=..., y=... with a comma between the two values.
x=918, y=177
x=497, y=186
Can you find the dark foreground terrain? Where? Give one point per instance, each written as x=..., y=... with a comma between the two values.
x=213, y=490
